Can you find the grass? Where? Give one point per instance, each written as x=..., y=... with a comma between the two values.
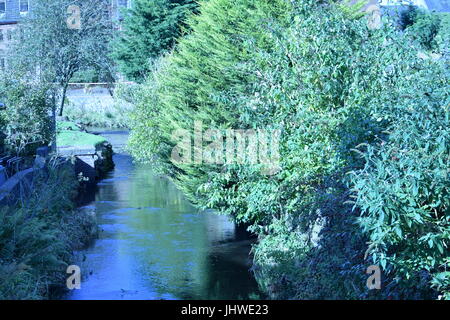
x=69, y=134
x=89, y=109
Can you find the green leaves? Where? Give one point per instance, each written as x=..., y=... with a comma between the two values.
x=37, y=237
x=407, y=175
x=27, y=121
x=150, y=29
x=331, y=86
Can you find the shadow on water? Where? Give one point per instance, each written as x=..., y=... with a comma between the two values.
x=154, y=245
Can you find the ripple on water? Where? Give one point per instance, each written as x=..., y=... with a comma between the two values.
x=123, y=210
x=155, y=246
x=115, y=217
x=115, y=228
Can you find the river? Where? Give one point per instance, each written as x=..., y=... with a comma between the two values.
x=154, y=245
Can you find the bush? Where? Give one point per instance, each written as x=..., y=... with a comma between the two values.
x=430, y=29
x=403, y=188
x=27, y=115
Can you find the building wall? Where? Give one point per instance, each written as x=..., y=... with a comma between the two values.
x=13, y=14
x=6, y=32
x=12, y=10
x=8, y=22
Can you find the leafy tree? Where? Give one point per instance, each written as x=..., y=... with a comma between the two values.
x=188, y=79
x=47, y=48
x=150, y=29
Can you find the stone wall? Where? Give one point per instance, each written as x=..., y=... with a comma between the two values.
x=92, y=166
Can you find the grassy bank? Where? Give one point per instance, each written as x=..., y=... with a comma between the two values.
x=38, y=236
x=70, y=134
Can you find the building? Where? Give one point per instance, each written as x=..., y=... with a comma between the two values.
x=432, y=5
x=12, y=11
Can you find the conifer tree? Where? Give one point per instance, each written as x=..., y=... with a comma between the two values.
x=149, y=29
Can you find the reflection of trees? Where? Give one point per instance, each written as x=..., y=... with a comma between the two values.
x=228, y=274
x=171, y=246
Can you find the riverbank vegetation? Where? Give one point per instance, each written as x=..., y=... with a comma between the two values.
x=106, y=111
x=24, y=121
x=40, y=230
x=364, y=149
x=39, y=234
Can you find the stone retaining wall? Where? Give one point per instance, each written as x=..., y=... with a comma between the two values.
x=90, y=163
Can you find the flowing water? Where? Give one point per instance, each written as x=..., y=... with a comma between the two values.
x=154, y=245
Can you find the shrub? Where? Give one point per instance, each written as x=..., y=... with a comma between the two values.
x=27, y=115
x=430, y=29
x=403, y=189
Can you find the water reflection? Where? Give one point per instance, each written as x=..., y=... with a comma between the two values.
x=154, y=244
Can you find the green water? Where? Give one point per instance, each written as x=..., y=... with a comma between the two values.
x=154, y=245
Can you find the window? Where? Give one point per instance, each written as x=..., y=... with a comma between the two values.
x=2, y=7
x=1, y=36
x=9, y=35
x=123, y=3
x=23, y=6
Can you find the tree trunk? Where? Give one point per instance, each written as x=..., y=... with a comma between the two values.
x=53, y=148
x=63, y=99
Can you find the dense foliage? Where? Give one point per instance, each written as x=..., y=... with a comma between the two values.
x=364, y=150
x=403, y=188
x=430, y=30
x=38, y=236
x=26, y=116
x=149, y=29
x=202, y=65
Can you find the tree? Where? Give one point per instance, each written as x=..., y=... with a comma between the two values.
x=59, y=38
x=150, y=29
